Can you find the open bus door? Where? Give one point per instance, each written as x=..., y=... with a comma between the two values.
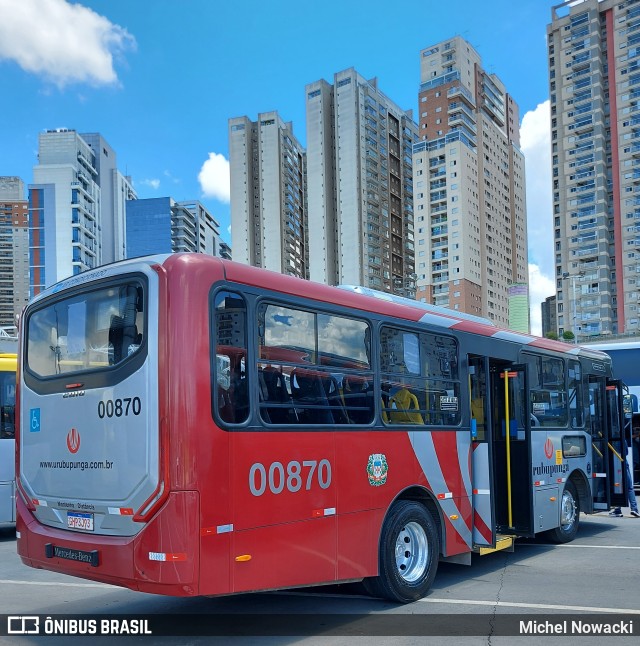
x=501, y=466
x=618, y=486
x=484, y=521
x=512, y=449
x=606, y=399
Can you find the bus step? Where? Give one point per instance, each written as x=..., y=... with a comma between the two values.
x=502, y=543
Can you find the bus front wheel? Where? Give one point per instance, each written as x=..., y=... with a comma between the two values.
x=408, y=556
x=569, y=516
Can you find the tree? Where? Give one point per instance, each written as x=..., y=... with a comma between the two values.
x=551, y=335
x=568, y=335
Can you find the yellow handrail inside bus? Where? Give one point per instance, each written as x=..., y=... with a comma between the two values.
x=508, y=445
x=611, y=447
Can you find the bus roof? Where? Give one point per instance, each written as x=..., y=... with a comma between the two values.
x=348, y=296
x=402, y=300
x=388, y=304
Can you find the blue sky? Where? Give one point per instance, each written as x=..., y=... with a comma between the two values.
x=160, y=78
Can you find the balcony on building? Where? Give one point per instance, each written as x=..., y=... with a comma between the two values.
x=83, y=186
x=461, y=92
x=459, y=118
x=438, y=230
x=441, y=278
x=88, y=164
x=443, y=219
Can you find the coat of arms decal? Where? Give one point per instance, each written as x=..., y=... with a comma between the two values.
x=377, y=468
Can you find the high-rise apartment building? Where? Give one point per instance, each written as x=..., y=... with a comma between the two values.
x=548, y=312
x=80, y=226
x=268, y=197
x=115, y=190
x=359, y=185
x=162, y=225
x=14, y=249
x=469, y=184
x=594, y=82
x=225, y=250
x=209, y=240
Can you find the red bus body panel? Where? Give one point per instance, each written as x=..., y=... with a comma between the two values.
x=124, y=560
x=233, y=540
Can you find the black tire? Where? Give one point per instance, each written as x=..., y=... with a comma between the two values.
x=569, y=516
x=406, y=575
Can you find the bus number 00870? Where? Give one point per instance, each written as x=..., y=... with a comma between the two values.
x=119, y=407
x=276, y=478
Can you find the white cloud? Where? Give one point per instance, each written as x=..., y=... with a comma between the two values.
x=66, y=43
x=215, y=179
x=153, y=183
x=535, y=138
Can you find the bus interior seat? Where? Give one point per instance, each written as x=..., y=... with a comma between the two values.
x=273, y=389
x=334, y=397
x=358, y=400
x=238, y=394
x=310, y=397
x=404, y=408
x=225, y=409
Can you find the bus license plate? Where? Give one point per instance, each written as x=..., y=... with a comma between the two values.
x=80, y=521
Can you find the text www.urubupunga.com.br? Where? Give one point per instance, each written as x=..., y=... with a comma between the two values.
x=76, y=464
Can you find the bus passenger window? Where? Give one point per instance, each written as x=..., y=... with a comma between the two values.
x=478, y=386
x=313, y=367
x=548, y=392
x=576, y=406
x=419, y=378
x=442, y=389
x=230, y=382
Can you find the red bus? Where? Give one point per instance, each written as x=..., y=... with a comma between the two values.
x=194, y=426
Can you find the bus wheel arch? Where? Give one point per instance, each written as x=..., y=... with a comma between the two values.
x=583, y=488
x=408, y=549
x=569, y=515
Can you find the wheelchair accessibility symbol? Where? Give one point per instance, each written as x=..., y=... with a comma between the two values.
x=34, y=414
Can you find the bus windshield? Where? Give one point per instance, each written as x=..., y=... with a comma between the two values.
x=91, y=330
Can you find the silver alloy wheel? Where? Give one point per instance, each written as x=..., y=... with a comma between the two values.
x=412, y=552
x=567, y=511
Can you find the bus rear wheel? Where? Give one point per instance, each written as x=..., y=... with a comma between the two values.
x=569, y=516
x=409, y=552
